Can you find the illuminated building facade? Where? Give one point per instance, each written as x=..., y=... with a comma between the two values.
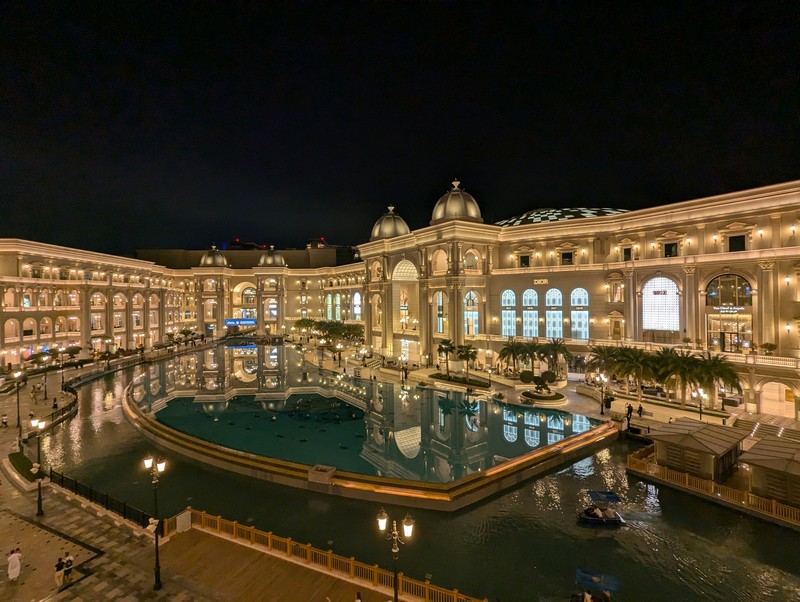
x=717, y=273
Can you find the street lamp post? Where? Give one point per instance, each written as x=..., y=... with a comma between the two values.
x=155, y=467
x=17, y=375
x=394, y=537
x=339, y=348
x=38, y=427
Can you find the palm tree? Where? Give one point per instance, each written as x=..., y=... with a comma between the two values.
x=512, y=350
x=635, y=362
x=531, y=351
x=662, y=362
x=681, y=366
x=467, y=354
x=445, y=348
x=602, y=358
x=714, y=370
x=553, y=349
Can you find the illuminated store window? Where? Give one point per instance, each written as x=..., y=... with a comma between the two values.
x=660, y=308
x=356, y=306
x=337, y=307
x=329, y=306
x=530, y=313
x=554, y=326
x=729, y=313
x=579, y=316
x=508, y=301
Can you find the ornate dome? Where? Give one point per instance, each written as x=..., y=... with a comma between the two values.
x=539, y=216
x=389, y=225
x=213, y=259
x=271, y=258
x=456, y=204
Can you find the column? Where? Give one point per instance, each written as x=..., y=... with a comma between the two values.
x=280, y=299
x=768, y=327
x=260, y=284
x=690, y=302
x=86, y=317
x=631, y=307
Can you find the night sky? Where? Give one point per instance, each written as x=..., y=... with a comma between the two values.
x=172, y=125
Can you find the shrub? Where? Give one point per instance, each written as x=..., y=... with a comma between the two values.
x=526, y=376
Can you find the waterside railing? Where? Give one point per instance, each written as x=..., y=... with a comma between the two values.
x=640, y=462
x=321, y=560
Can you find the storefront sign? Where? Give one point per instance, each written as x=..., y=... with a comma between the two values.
x=541, y=281
x=728, y=309
x=240, y=322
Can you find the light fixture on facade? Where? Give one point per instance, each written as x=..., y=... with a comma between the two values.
x=787, y=280
x=788, y=328
x=760, y=233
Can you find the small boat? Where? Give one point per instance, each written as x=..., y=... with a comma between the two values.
x=599, y=513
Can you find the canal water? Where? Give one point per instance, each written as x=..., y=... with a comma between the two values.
x=523, y=545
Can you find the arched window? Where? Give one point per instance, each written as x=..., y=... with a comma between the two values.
x=470, y=261
x=660, y=305
x=337, y=307
x=553, y=298
x=508, y=313
x=356, y=306
x=729, y=289
x=579, y=296
x=530, y=313
x=579, y=316
x=439, y=262
x=470, y=313
x=554, y=326
x=329, y=307
x=249, y=296
x=272, y=308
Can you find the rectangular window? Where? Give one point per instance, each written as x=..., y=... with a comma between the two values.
x=471, y=322
x=580, y=324
x=509, y=317
x=566, y=258
x=736, y=243
x=524, y=261
x=530, y=323
x=626, y=254
x=671, y=249
x=554, y=327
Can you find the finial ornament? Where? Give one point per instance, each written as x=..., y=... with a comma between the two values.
x=455, y=184
x=391, y=208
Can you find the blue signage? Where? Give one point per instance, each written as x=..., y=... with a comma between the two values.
x=240, y=322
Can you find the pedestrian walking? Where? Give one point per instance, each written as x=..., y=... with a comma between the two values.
x=14, y=565
x=630, y=412
x=640, y=410
x=69, y=560
x=59, y=576
x=5, y=420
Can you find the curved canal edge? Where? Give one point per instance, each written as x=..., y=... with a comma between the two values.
x=447, y=497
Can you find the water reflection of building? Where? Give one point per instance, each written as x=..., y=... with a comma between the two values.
x=418, y=433
x=429, y=435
